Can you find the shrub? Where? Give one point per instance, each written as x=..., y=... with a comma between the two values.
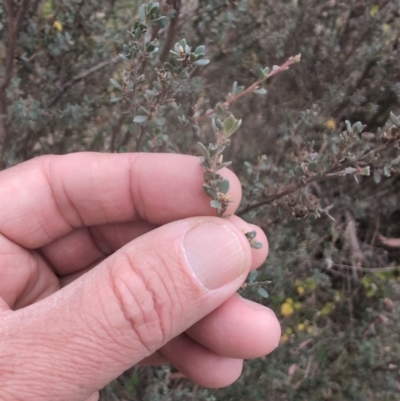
x=317, y=154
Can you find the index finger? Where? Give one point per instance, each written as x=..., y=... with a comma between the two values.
x=47, y=197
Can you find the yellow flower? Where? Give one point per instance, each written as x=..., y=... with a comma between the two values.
x=331, y=124
x=284, y=338
x=374, y=10
x=328, y=308
x=300, y=290
x=297, y=305
x=287, y=309
x=58, y=25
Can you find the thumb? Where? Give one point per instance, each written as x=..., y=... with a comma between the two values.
x=144, y=295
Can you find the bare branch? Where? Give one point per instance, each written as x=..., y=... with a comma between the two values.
x=169, y=40
x=289, y=189
x=389, y=242
x=80, y=77
x=356, y=253
x=14, y=27
x=234, y=98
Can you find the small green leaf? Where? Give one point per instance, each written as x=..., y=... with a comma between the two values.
x=260, y=91
x=229, y=125
x=132, y=129
x=374, y=10
x=143, y=12
x=224, y=186
x=253, y=276
x=298, y=170
x=211, y=192
x=157, y=85
x=377, y=177
x=150, y=48
x=216, y=204
x=202, y=62
x=257, y=245
x=115, y=83
x=140, y=119
x=234, y=87
x=251, y=235
x=123, y=149
x=394, y=119
x=200, y=50
x=152, y=92
x=214, y=126
x=154, y=7
x=223, y=165
x=312, y=167
x=169, y=67
x=358, y=127
x=396, y=161
x=263, y=293
x=183, y=74
x=366, y=171
x=123, y=57
x=161, y=19
x=160, y=121
x=205, y=151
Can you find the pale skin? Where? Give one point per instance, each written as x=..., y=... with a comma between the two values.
x=108, y=261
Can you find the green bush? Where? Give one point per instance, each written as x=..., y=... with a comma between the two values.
x=123, y=76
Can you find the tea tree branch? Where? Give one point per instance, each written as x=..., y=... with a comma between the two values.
x=80, y=77
x=215, y=186
x=265, y=74
x=358, y=166
x=14, y=27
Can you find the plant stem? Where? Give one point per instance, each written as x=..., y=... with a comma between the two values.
x=234, y=98
x=320, y=177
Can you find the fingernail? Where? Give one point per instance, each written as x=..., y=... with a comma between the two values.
x=215, y=253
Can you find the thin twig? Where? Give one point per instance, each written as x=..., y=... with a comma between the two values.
x=234, y=98
x=354, y=245
x=169, y=40
x=14, y=27
x=80, y=77
x=317, y=178
x=387, y=269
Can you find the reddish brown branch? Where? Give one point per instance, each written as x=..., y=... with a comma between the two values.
x=14, y=27
x=234, y=98
x=80, y=77
x=169, y=40
x=289, y=189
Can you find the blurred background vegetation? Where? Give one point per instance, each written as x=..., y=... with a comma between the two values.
x=334, y=279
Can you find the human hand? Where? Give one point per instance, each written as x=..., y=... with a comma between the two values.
x=107, y=261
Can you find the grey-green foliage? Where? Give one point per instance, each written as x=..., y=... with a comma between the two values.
x=85, y=78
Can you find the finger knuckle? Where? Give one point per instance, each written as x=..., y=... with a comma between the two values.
x=144, y=298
